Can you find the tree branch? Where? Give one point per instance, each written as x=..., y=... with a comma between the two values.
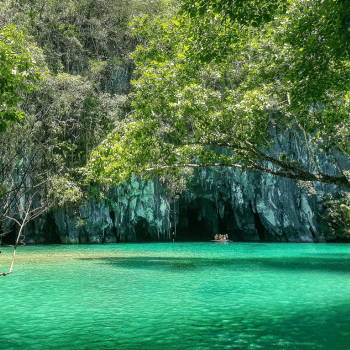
x=302, y=175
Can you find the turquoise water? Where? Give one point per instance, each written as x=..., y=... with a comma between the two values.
x=177, y=296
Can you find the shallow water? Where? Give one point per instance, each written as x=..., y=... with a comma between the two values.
x=177, y=296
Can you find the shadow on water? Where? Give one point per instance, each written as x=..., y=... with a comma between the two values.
x=318, y=329
x=312, y=264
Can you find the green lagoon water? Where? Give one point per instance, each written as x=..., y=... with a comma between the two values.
x=176, y=296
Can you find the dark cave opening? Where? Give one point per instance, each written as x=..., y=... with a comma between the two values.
x=198, y=230
x=114, y=229
x=50, y=230
x=143, y=231
x=198, y=221
x=228, y=224
x=259, y=227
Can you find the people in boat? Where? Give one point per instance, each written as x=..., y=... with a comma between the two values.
x=220, y=237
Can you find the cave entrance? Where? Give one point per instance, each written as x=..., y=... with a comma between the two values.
x=259, y=227
x=50, y=230
x=114, y=229
x=143, y=231
x=198, y=221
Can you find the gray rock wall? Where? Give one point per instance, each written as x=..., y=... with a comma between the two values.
x=256, y=206
x=248, y=206
x=138, y=214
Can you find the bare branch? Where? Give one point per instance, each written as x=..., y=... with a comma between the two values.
x=24, y=222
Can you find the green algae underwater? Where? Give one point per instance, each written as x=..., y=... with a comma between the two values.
x=176, y=296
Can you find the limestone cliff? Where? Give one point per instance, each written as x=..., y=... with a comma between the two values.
x=248, y=206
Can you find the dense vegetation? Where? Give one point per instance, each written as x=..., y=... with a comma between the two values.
x=208, y=75
x=210, y=81
x=230, y=75
x=64, y=80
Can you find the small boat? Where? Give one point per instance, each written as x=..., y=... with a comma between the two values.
x=221, y=240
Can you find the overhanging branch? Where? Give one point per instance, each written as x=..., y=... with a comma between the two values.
x=301, y=175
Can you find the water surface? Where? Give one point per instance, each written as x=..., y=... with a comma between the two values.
x=177, y=296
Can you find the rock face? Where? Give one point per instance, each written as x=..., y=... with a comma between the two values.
x=255, y=206
x=137, y=213
x=248, y=206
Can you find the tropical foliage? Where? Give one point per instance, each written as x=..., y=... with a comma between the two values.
x=337, y=216
x=213, y=83
x=16, y=74
x=64, y=76
x=210, y=81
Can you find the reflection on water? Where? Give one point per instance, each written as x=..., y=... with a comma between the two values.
x=177, y=296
